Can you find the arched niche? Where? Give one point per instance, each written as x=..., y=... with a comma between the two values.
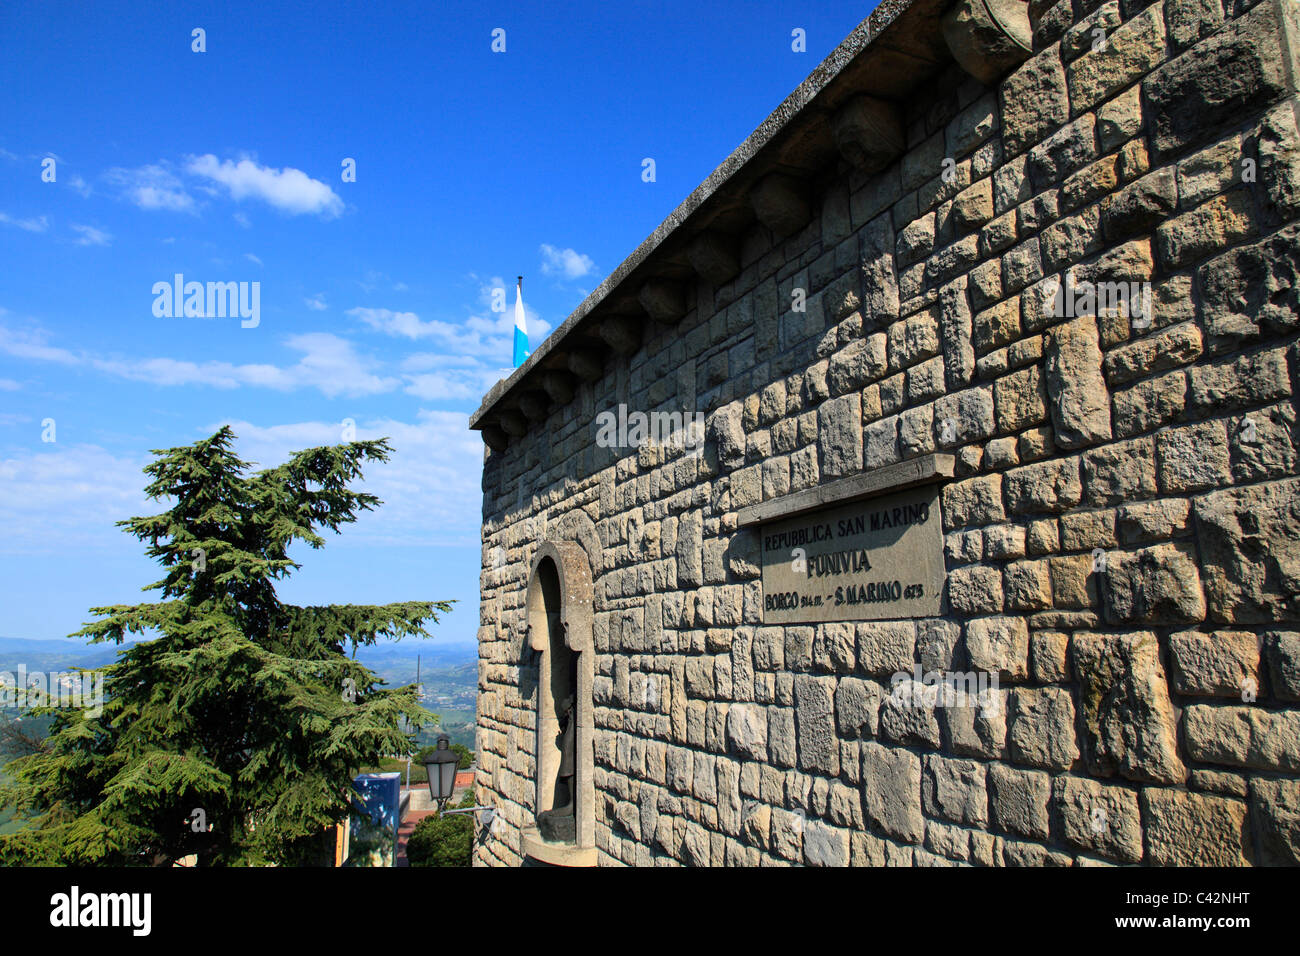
x=558, y=612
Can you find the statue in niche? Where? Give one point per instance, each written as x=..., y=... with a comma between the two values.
x=560, y=822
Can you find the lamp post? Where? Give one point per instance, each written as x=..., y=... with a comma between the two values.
x=441, y=769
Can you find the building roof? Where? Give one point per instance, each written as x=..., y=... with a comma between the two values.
x=899, y=46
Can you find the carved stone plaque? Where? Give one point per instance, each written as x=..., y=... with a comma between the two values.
x=874, y=559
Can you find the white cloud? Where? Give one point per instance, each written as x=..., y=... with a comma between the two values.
x=252, y=258
x=289, y=190
x=243, y=220
x=9, y=385
x=438, y=376
x=327, y=363
x=153, y=187
x=61, y=498
x=487, y=337
x=90, y=236
x=430, y=487
x=39, y=224
x=66, y=497
x=403, y=324
x=31, y=345
x=316, y=302
x=454, y=385
x=79, y=185
x=566, y=263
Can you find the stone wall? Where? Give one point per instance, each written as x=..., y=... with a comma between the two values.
x=1122, y=532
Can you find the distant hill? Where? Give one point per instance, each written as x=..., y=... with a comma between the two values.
x=53, y=655
x=448, y=674
x=390, y=660
x=434, y=653
x=448, y=671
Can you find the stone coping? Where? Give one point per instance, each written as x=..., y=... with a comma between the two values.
x=904, y=474
x=783, y=123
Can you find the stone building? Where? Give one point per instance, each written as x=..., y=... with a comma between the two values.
x=924, y=490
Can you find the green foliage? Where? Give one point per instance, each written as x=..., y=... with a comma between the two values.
x=243, y=707
x=440, y=840
x=466, y=756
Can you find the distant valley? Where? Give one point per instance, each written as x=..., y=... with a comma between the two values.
x=448, y=672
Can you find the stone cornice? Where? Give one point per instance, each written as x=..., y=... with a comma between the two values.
x=890, y=478
x=844, y=111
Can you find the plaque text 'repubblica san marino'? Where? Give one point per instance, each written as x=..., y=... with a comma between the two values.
x=873, y=559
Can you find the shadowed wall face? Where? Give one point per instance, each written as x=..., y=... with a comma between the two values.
x=1046, y=288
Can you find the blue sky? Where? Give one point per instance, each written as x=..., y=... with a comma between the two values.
x=375, y=296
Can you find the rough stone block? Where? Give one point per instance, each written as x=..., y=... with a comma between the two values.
x=1120, y=119
x=1168, y=348
x=1028, y=586
x=1128, y=719
x=1128, y=53
x=886, y=647
x=747, y=731
x=999, y=645
x=1120, y=472
x=1157, y=585
x=976, y=589
x=975, y=501
x=1243, y=736
x=955, y=790
x=1275, y=805
x=1140, y=206
x=1049, y=486
x=1209, y=172
x=1250, y=552
x=1282, y=650
x=1194, y=829
x=839, y=436
x=1221, y=664
x=908, y=717
x=1252, y=291
x=1080, y=404
x=1070, y=148
x=1279, y=160
x=1099, y=818
x=891, y=791
x=1187, y=96
x=1040, y=728
x=1034, y=101
x=825, y=845
x=1048, y=656
x=857, y=707
x=1219, y=223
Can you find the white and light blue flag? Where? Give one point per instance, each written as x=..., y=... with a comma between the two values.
x=521, y=331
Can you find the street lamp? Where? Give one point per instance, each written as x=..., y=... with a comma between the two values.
x=441, y=769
